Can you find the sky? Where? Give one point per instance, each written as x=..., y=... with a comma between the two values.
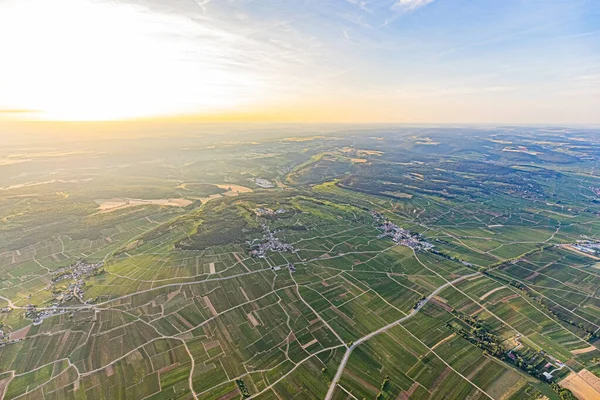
x=347, y=61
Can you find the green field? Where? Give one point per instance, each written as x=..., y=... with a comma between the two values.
x=209, y=286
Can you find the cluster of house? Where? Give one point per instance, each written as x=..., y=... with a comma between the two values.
x=267, y=212
x=403, y=237
x=269, y=243
x=557, y=366
x=263, y=183
x=77, y=273
x=587, y=246
x=38, y=316
x=289, y=265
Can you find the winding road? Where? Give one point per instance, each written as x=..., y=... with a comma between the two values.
x=363, y=339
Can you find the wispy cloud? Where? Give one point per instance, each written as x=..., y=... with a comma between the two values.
x=207, y=56
x=401, y=7
x=585, y=34
x=437, y=92
x=360, y=3
x=472, y=45
x=404, y=6
x=202, y=4
x=508, y=36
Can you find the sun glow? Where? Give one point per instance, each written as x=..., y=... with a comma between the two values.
x=86, y=60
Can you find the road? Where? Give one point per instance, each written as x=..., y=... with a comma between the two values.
x=10, y=303
x=363, y=339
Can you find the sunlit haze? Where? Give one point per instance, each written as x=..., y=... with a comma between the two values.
x=509, y=61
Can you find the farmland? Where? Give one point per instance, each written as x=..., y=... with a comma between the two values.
x=234, y=290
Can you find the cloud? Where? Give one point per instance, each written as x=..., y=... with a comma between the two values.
x=361, y=4
x=154, y=60
x=404, y=6
x=508, y=36
x=401, y=7
x=202, y=4
x=472, y=45
x=437, y=91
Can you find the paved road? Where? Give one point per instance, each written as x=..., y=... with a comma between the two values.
x=363, y=339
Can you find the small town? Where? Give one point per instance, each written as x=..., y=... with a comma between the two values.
x=269, y=243
x=587, y=246
x=267, y=212
x=403, y=237
x=76, y=272
x=38, y=316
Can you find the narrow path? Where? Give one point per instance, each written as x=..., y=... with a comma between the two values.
x=314, y=311
x=292, y=370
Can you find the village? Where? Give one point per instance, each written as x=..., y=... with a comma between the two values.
x=269, y=242
x=267, y=212
x=38, y=316
x=77, y=273
x=403, y=237
x=587, y=246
